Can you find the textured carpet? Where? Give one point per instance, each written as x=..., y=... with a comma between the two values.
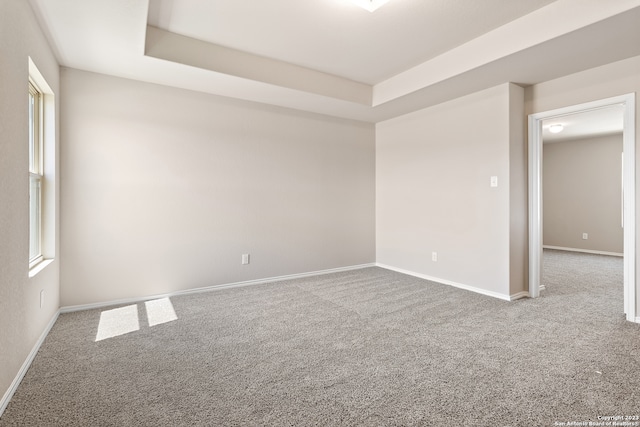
x=368, y=347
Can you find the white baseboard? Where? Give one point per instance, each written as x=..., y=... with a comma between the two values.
x=585, y=251
x=457, y=285
x=519, y=295
x=27, y=363
x=135, y=300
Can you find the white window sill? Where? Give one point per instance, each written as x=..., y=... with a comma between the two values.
x=39, y=267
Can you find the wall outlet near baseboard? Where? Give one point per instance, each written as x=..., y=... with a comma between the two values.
x=245, y=259
x=434, y=256
x=585, y=236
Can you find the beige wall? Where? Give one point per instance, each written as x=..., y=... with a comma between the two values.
x=164, y=189
x=614, y=79
x=582, y=193
x=433, y=193
x=22, y=321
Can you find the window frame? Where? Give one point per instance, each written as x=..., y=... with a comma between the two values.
x=36, y=172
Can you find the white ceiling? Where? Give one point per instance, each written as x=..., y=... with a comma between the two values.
x=337, y=37
x=601, y=121
x=332, y=57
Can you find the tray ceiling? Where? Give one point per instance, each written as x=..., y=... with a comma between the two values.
x=332, y=57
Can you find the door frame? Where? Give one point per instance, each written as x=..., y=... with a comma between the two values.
x=628, y=193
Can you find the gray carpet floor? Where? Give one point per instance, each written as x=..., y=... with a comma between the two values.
x=362, y=348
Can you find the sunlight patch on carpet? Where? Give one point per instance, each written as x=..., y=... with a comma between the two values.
x=160, y=311
x=123, y=320
x=118, y=321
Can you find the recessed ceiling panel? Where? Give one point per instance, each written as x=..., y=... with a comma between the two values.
x=336, y=36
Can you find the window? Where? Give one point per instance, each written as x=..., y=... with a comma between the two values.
x=42, y=171
x=36, y=174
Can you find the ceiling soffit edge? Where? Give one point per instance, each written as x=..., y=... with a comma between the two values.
x=185, y=50
x=493, y=47
x=557, y=19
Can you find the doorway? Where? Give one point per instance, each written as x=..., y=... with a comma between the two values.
x=535, y=192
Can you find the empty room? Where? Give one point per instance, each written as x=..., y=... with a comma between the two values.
x=319, y=212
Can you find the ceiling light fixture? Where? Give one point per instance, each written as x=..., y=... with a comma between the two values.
x=369, y=5
x=557, y=128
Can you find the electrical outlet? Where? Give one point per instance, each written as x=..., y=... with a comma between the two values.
x=434, y=256
x=585, y=236
x=245, y=259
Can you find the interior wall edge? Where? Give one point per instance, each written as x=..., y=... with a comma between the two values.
x=584, y=251
x=103, y=304
x=504, y=297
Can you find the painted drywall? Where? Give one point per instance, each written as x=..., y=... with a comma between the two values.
x=164, y=189
x=610, y=80
x=433, y=192
x=22, y=319
x=518, y=195
x=582, y=193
